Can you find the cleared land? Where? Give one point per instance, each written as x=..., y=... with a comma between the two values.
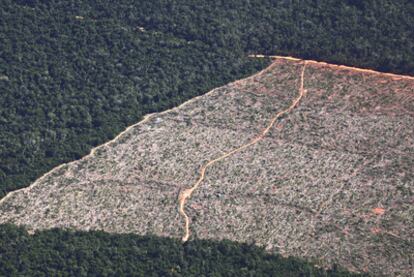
x=331, y=181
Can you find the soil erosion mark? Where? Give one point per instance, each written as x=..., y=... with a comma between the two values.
x=185, y=194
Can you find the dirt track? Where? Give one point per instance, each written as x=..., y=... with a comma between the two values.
x=188, y=192
x=331, y=181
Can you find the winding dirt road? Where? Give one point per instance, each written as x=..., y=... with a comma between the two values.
x=185, y=194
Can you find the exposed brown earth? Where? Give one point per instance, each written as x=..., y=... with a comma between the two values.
x=185, y=194
x=331, y=181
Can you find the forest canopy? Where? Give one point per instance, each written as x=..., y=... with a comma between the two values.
x=67, y=253
x=75, y=73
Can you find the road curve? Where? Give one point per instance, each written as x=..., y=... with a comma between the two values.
x=185, y=194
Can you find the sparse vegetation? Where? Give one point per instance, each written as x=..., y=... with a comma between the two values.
x=321, y=185
x=73, y=84
x=73, y=74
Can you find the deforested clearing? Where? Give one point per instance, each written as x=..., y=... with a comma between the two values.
x=330, y=182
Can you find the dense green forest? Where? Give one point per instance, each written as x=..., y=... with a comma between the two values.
x=75, y=73
x=72, y=83
x=67, y=253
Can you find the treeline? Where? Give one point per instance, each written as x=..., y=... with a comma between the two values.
x=75, y=73
x=67, y=253
x=70, y=82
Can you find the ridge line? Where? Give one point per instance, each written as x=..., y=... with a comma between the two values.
x=336, y=66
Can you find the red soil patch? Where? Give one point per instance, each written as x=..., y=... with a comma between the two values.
x=378, y=211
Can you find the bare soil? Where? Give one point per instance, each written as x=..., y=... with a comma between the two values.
x=331, y=182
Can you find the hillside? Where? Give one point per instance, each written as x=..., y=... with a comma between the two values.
x=73, y=74
x=69, y=83
x=330, y=182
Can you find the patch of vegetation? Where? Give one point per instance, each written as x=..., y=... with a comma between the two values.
x=75, y=83
x=73, y=74
x=67, y=253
